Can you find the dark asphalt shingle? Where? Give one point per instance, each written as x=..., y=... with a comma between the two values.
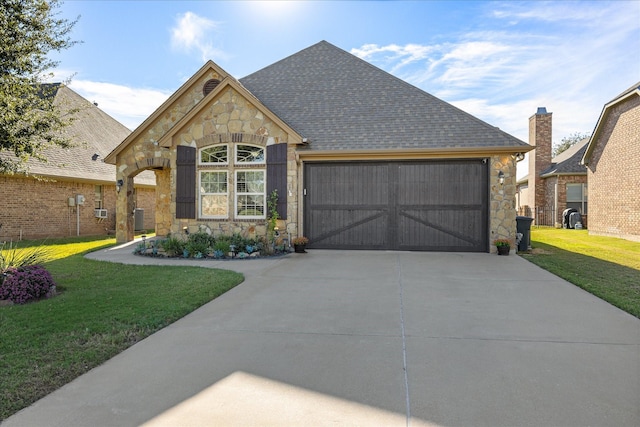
x=568, y=162
x=339, y=101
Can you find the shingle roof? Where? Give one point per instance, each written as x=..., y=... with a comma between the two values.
x=568, y=162
x=92, y=132
x=339, y=101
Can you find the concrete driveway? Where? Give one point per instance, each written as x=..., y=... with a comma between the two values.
x=346, y=338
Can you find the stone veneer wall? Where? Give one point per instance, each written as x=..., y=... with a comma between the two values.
x=144, y=154
x=502, y=201
x=229, y=118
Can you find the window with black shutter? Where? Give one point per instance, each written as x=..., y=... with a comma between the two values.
x=186, y=182
x=277, y=175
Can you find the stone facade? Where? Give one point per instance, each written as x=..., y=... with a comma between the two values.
x=502, y=200
x=230, y=116
x=614, y=173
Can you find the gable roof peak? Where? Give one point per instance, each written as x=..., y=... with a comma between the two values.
x=340, y=101
x=208, y=66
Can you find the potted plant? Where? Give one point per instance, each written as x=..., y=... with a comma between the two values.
x=299, y=244
x=503, y=246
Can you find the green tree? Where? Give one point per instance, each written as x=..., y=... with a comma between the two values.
x=569, y=141
x=30, y=120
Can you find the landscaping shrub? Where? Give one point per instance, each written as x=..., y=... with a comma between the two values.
x=24, y=284
x=199, y=243
x=13, y=257
x=172, y=246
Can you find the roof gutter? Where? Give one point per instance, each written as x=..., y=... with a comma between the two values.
x=411, y=153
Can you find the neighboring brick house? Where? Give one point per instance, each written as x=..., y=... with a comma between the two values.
x=553, y=184
x=359, y=158
x=612, y=159
x=43, y=204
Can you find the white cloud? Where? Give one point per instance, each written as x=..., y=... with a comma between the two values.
x=569, y=57
x=130, y=106
x=195, y=33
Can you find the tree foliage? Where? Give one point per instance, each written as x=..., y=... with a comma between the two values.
x=569, y=141
x=30, y=120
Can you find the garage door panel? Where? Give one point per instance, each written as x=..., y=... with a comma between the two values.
x=426, y=205
x=442, y=229
x=358, y=185
x=441, y=183
x=349, y=229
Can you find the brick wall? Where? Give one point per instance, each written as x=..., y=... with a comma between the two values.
x=32, y=209
x=540, y=135
x=614, y=173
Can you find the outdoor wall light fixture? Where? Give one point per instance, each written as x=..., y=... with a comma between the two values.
x=95, y=156
x=185, y=230
x=119, y=184
x=518, y=156
x=501, y=177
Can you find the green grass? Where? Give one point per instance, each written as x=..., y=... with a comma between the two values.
x=604, y=266
x=103, y=309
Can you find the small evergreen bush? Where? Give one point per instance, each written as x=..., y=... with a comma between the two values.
x=172, y=246
x=26, y=283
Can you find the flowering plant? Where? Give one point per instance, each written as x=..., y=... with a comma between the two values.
x=502, y=242
x=26, y=283
x=300, y=240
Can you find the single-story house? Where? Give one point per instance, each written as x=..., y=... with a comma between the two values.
x=553, y=184
x=360, y=159
x=612, y=159
x=74, y=192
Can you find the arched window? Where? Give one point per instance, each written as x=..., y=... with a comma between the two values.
x=216, y=154
x=249, y=154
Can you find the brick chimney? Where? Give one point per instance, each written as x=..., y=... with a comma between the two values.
x=540, y=158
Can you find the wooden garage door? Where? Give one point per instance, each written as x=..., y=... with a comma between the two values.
x=427, y=205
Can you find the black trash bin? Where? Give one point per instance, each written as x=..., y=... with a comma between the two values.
x=523, y=226
x=566, y=214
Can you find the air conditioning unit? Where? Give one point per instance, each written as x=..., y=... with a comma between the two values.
x=101, y=213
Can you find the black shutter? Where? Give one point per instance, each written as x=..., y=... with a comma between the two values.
x=186, y=182
x=277, y=175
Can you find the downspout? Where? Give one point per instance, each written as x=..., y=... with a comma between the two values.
x=555, y=202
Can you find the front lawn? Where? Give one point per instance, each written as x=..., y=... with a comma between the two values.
x=103, y=308
x=604, y=266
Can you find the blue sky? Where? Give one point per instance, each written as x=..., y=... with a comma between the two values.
x=496, y=60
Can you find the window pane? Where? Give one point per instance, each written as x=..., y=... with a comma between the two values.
x=214, y=205
x=574, y=192
x=250, y=195
x=249, y=154
x=217, y=154
x=250, y=205
x=213, y=182
x=250, y=182
x=213, y=194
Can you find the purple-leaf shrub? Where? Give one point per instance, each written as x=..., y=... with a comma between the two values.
x=24, y=284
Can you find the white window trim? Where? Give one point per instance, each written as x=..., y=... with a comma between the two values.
x=200, y=194
x=200, y=162
x=261, y=162
x=236, y=194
